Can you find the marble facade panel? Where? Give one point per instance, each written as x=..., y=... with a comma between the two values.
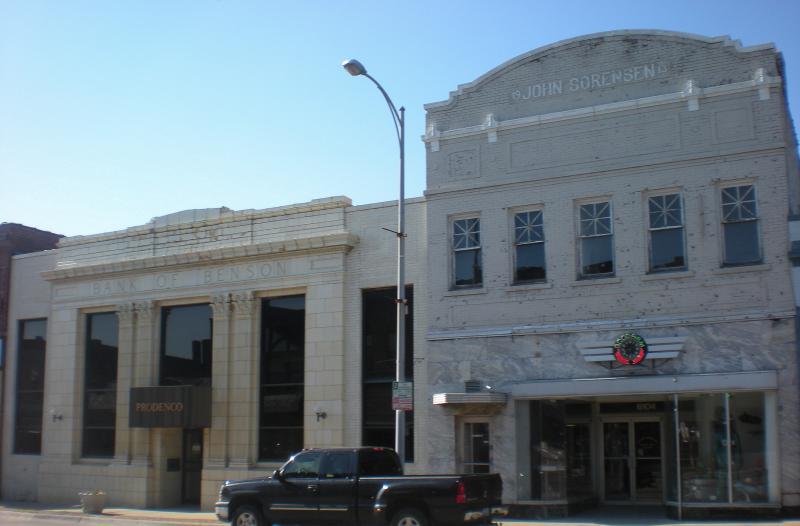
x=500, y=362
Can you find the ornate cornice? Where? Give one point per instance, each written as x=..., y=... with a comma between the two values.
x=335, y=242
x=691, y=94
x=316, y=205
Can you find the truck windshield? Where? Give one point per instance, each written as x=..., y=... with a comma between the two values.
x=380, y=462
x=303, y=465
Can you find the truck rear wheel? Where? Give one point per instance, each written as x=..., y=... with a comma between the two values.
x=247, y=516
x=409, y=517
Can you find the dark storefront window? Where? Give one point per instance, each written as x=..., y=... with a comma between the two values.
x=723, y=459
x=282, y=377
x=548, y=454
x=186, y=345
x=100, y=385
x=561, y=461
x=30, y=386
x=379, y=360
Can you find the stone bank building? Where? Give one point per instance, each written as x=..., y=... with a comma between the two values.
x=601, y=305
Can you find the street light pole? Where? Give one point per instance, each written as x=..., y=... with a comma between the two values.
x=355, y=68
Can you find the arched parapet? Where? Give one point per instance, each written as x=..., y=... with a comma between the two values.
x=600, y=69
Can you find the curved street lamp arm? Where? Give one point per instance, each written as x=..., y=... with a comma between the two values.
x=396, y=118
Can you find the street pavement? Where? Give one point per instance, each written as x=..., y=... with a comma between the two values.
x=34, y=514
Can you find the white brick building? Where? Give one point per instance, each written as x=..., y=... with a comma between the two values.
x=627, y=183
x=630, y=187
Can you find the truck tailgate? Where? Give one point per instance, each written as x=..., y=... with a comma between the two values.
x=483, y=489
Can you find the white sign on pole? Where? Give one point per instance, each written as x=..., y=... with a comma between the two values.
x=402, y=396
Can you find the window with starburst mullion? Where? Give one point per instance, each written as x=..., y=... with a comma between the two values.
x=466, y=234
x=665, y=211
x=528, y=227
x=595, y=219
x=740, y=225
x=739, y=203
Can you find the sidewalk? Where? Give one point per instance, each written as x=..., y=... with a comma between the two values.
x=124, y=516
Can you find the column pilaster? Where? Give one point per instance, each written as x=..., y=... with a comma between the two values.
x=143, y=374
x=125, y=353
x=243, y=380
x=217, y=456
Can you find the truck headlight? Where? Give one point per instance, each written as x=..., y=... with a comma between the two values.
x=223, y=491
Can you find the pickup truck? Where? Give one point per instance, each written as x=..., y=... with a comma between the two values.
x=360, y=486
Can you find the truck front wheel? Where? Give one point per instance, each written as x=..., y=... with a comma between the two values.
x=409, y=517
x=247, y=516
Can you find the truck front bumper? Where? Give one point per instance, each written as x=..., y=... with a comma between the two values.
x=221, y=510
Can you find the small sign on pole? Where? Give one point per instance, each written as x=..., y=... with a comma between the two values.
x=402, y=396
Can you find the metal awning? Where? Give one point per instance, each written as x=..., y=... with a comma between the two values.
x=472, y=403
x=647, y=384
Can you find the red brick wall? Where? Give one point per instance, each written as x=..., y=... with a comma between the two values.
x=18, y=239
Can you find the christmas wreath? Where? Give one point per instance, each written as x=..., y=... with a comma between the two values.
x=630, y=349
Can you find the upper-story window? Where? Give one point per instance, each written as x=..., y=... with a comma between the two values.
x=186, y=344
x=667, y=245
x=30, y=386
x=596, y=236
x=740, y=225
x=467, y=267
x=281, y=405
x=100, y=385
x=529, y=247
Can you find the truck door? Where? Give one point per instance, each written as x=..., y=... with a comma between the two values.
x=296, y=499
x=337, y=487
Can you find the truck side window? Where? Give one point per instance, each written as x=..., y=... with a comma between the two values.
x=303, y=465
x=378, y=462
x=337, y=465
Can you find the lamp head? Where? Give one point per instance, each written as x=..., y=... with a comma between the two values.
x=354, y=67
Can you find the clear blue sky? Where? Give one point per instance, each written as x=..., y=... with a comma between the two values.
x=113, y=112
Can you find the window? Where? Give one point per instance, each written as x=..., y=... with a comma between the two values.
x=596, y=237
x=337, y=465
x=186, y=345
x=666, y=233
x=468, y=271
x=528, y=247
x=282, y=377
x=379, y=343
x=740, y=225
x=723, y=447
x=32, y=338
x=378, y=462
x=100, y=385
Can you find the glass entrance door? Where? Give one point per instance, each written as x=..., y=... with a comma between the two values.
x=192, y=465
x=476, y=447
x=632, y=463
